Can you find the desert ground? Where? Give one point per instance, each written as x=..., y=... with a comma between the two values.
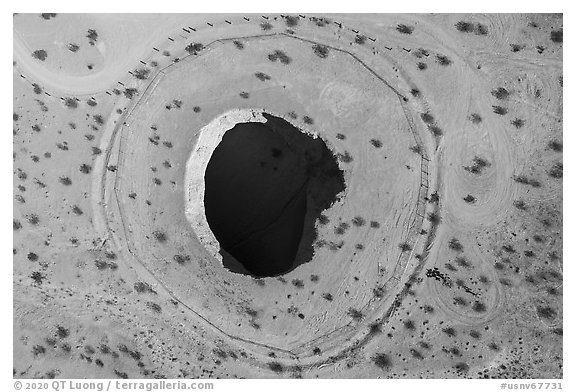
x=410, y=174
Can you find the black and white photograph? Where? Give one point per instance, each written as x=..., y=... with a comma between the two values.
x=286, y=195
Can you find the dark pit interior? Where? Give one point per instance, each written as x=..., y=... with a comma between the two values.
x=265, y=186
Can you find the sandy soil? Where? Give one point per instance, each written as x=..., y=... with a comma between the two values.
x=443, y=258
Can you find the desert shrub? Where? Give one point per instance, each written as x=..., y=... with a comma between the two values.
x=262, y=76
x=360, y=39
x=556, y=171
x=449, y=331
x=443, y=60
x=291, y=21
x=526, y=181
x=64, y=180
x=279, y=55
x=435, y=130
x=410, y=325
x=71, y=103
x=96, y=151
x=130, y=92
x=244, y=95
x=341, y=228
x=346, y=157
x=464, y=27
x=143, y=287
x=500, y=93
x=556, y=36
x=327, y=296
x=383, y=361
x=518, y=123
x=73, y=47
x=433, y=218
x=475, y=118
x=308, y=120
x=376, y=143
x=37, y=277
x=499, y=110
x=422, y=66
x=404, y=29
x=33, y=219
x=98, y=119
x=154, y=306
x=265, y=26
x=555, y=145
x=239, y=45
x=374, y=328
x=462, y=262
x=462, y=367
x=358, y=221
x=160, y=236
x=85, y=168
x=404, y=247
x=508, y=248
x=40, y=54
x=321, y=51
x=298, y=283
x=520, y=204
x=546, y=312
x=62, y=332
x=120, y=374
x=38, y=349
x=355, y=314
x=517, y=47
x=141, y=73
x=479, y=307
x=478, y=165
x=428, y=309
x=276, y=367
x=320, y=22
x=181, y=259
x=480, y=29
x=77, y=210
x=194, y=48
x=454, y=244
x=92, y=36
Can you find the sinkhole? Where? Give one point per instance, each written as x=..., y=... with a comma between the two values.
x=266, y=184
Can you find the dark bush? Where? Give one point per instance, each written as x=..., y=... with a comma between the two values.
x=443, y=60
x=404, y=29
x=265, y=26
x=40, y=54
x=382, y=361
x=500, y=93
x=320, y=51
x=464, y=27
x=556, y=36
x=276, y=367
x=291, y=21
x=160, y=236
x=499, y=110
x=194, y=48
x=556, y=171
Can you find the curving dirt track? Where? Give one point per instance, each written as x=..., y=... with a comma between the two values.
x=448, y=233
